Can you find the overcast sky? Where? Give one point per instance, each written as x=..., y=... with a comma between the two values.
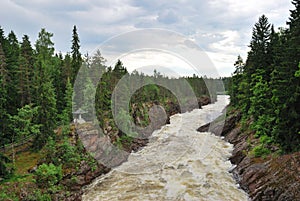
x=222, y=28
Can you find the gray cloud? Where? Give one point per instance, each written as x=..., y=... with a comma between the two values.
x=168, y=16
x=221, y=27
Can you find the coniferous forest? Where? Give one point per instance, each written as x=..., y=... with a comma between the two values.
x=39, y=147
x=41, y=158
x=266, y=87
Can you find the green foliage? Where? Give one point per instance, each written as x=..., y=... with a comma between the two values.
x=66, y=115
x=268, y=89
x=36, y=91
x=263, y=125
x=22, y=124
x=69, y=154
x=76, y=55
x=48, y=175
x=4, y=97
x=297, y=74
x=12, y=52
x=259, y=102
x=44, y=45
x=25, y=72
x=260, y=151
x=50, y=151
x=39, y=196
x=46, y=114
x=89, y=99
x=8, y=196
x=125, y=123
x=6, y=169
x=62, y=153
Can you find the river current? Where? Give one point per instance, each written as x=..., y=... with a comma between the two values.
x=178, y=163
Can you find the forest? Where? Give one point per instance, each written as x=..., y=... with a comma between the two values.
x=266, y=87
x=40, y=88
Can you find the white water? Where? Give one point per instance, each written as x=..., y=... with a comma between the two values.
x=178, y=163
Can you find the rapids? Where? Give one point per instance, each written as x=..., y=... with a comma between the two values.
x=178, y=163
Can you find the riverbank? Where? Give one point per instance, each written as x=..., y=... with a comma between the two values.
x=275, y=177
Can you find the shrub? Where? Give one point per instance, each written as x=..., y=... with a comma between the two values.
x=260, y=150
x=48, y=175
x=6, y=168
x=38, y=196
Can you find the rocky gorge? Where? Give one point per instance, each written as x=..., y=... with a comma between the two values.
x=273, y=177
x=96, y=143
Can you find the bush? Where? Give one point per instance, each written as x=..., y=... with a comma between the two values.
x=260, y=150
x=8, y=196
x=64, y=153
x=48, y=175
x=39, y=196
x=6, y=168
x=69, y=154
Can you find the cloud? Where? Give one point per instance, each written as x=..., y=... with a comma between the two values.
x=168, y=16
x=221, y=27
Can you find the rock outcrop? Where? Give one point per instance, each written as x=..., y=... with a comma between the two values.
x=264, y=179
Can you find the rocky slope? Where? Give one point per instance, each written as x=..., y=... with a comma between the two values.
x=264, y=179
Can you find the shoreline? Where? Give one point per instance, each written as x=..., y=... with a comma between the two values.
x=274, y=177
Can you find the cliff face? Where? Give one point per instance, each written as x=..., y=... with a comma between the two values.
x=264, y=179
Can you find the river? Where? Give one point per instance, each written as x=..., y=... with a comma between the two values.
x=178, y=163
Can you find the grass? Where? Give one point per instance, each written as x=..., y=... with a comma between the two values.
x=22, y=179
x=25, y=161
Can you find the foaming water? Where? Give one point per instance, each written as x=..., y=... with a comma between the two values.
x=178, y=163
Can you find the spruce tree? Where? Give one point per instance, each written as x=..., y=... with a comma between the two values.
x=25, y=72
x=76, y=55
x=258, y=68
x=66, y=116
x=12, y=61
x=235, y=91
x=286, y=92
x=3, y=98
x=58, y=81
x=45, y=94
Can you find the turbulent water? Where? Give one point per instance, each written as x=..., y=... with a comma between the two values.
x=178, y=163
